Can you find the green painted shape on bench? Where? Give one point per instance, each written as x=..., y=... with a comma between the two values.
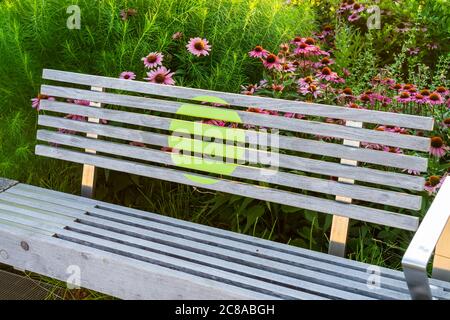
x=181, y=130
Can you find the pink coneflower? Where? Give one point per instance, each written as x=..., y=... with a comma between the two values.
x=412, y=171
x=432, y=46
x=297, y=40
x=153, y=60
x=284, y=48
x=404, y=97
x=413, y=51
x=198, y=47
x=306, y=81
x=325, y=62
x=328, y=75
x=272, y=62
x=357, y=8
x=218, y=123
x=442, y=91
x=161, y=76
x=392, y=149
x=258, y=52
x=446, y=123
x=304, y=49
x=311, y=89
x=288, y=67
x=277, y=87
x=250, y=89
x=35, y=102
x=437, y=147
x=403, y=27
x=177, y=35
x=420, y=99
x=435, y=99
x=433, y=183
x=127, y=75
x=293, y=115
x=354, y=17
x=82, y=102
x=124, y=14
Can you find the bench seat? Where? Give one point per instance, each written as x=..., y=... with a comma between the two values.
x=133, y=254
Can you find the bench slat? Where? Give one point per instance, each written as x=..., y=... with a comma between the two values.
x=257, y=192
x=218, y=237
x=388, y=159
x=335, y=169
x=398, y=199
x=296, y=125
x=377, y=117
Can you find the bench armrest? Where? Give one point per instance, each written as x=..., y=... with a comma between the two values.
x=420, y=250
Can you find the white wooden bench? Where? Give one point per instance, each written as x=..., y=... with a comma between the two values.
x=132, y=254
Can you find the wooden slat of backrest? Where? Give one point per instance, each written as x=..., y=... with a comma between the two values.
x=376, y=117
x=388, y=159
x=296, y=125
x=286, y=161
x=240, y=171
x=257, y=192
x=339, y=226
x=89, y=175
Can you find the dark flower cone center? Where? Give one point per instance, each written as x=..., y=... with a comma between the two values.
x=312, y=88
x=436, y=142
x=303, y=46
x=326, y=71
x=327, y=28
x=356, y=6
x=404, y=95
x=441, y=90
x=297, y=39
x=258, y=49
x=435, y=97
x=408, y=86
x=365, y=98
x=397, y=86
x=152, y=58
x=310, y=41
x=447, y=121
x=160, y=78
x=348, y=91
x=199, y=45
x=434, y=181
x=308, y=79
x=419, y=96
x=271, y=58
x=42, y=96
x=354, y=106
x=325, y=61
x=425, y=92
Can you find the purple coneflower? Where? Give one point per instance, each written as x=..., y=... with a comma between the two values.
x=153, y=60
x=35, y=102
x=354, y=17
x=433, y=183
x=328, y=75
x=392, y=149
x=435, y=99
x=177, y=35
x=258, y=52
x=272, y=62
x=437, y=147
x=127, y=75
x=198, y=47
x=161, y=76
x=357, y=8
x=413, y=51
x=404, y=97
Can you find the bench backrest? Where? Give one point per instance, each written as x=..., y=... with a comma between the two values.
x=256, y=154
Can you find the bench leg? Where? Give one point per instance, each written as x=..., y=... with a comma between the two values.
x=338, y=237
x=89, y=174
x=441, y=262
x=339, y=227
